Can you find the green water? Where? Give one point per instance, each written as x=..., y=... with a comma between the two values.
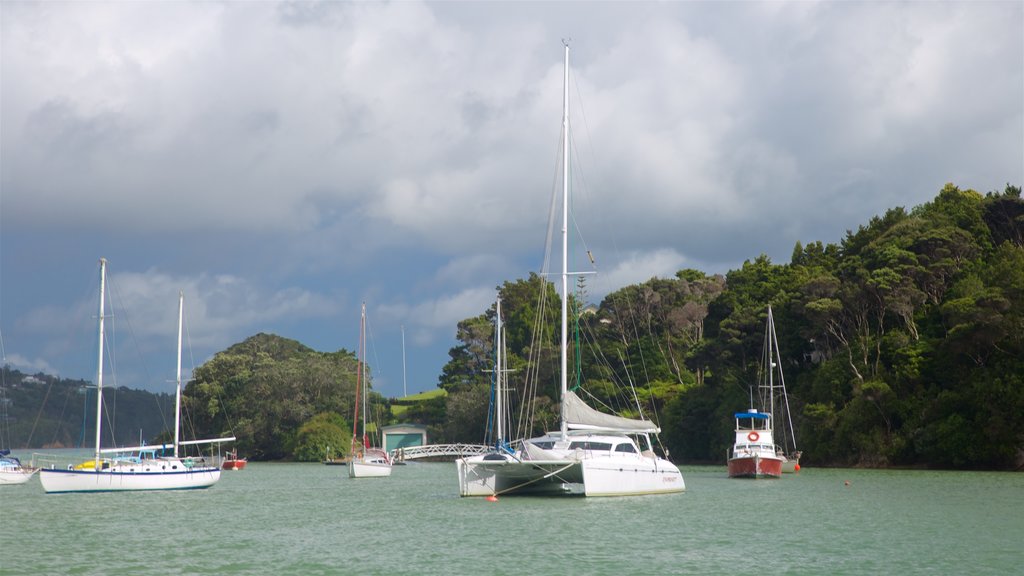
x=312, y=519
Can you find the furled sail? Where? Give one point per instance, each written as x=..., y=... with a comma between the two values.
x=578, y=415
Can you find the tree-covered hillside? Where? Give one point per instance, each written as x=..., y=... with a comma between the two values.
x=904, y=343
x=280, y=398
x=42, y=411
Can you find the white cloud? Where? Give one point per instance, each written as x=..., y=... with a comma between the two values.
x=636, y=268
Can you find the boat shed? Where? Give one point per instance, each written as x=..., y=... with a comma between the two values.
x=403, y=436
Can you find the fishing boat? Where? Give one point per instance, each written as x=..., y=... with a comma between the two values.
x=753, y=452
x=365, y=461
x=592, y=453
x=138, y=467
x=773, y=391
x=12, y=471
x=233, y=462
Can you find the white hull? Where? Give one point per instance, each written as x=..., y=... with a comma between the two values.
x=593, y=477
x=572, y=472
x=16, y=476
x=790, y=465
x=368, y=469
x=117, y=480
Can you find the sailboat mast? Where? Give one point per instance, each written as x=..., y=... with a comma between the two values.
x=99, y=363
x=359, y=380
x=405, y=388
x=565, y=236
x=362, y=366
x=177, y=388
x=771, y=364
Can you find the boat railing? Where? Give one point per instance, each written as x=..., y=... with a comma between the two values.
x=42, y=460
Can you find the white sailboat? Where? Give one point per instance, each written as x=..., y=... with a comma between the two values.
x=776, y=401
x=12, y=471
x=138, y=467
x=593, y=453
x=365, y=461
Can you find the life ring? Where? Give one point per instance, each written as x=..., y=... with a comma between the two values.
x=753, y=436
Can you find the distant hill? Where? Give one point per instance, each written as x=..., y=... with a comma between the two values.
x=43, y=411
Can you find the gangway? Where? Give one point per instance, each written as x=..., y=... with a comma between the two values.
x=438, y=452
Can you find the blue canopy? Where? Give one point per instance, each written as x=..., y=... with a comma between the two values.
x=754, y=414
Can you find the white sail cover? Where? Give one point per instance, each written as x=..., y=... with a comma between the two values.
x=578, y=415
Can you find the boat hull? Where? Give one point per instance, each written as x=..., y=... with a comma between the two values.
x=234, y=464
x=57, y=481
x=480, y=476
x=16, y=476
x=368, y=469
x=755, y=466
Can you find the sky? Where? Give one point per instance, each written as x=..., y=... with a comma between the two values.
x=281, y=163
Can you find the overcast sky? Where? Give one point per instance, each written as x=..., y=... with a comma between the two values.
x=283, y=162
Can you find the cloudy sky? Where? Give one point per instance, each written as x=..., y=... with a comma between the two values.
x=282, y=162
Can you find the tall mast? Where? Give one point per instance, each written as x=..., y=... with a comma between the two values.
x=771, y=364
x=405, y=389
x=177, y=391
x=499, y=409
x=565, y=235
x=362, y=366
x=99, y=363
x=359, y=378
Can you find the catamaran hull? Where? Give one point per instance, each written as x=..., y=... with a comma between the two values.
x=755, y=466
x=56, y=481
x=597, y=477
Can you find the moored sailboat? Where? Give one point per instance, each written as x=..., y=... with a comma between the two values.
x=12, y=471
x=139, y=467
x=365, y=461
x=592, y=453
x=777, y=400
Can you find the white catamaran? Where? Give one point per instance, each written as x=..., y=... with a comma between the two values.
x=593, y=453
x=138, y=467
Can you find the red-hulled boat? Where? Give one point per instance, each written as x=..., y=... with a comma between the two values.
x=233, y=462
x=753, y=453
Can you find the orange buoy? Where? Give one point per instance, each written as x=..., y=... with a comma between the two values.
x=492, y=498
x=796, y=467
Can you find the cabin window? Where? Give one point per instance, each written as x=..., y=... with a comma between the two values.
x=544, y=445
x=625, y=448
x=586, y=445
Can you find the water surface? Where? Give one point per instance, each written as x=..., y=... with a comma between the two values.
x=277, y=518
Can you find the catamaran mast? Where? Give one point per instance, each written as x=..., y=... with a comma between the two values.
x=499, y=408
x=565, y=236
x=177, y=391
x=99, y=364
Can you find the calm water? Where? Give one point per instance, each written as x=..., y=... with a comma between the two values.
x=312, y=519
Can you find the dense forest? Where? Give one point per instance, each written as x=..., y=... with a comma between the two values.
x=902, y=345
